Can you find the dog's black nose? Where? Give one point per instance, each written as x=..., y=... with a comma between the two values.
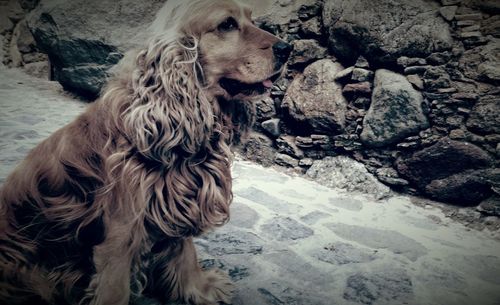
x=282, y=51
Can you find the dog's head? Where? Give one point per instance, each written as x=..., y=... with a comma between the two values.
x=204, y=60
x=238, y=59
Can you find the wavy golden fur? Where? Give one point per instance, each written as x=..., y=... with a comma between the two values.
x=107, y=206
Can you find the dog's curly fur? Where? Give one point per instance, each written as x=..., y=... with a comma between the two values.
x=108, y=205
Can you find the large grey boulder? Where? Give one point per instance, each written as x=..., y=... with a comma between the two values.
x=84, y=38
x=383, y=30
x=345, y=173
x=314, y=99
x=395, y=112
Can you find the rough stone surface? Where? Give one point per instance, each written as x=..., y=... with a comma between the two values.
x=265, y=109
x=395, y=112
x=490, y=206
x=272, y=126
x=286, y=144
x=448, y=12
x=315, y=99
x=466, y=188
x=445, y=158
x=285, y=160
x=345, y=173
x=385, y=286
x=380, y=239
x=344, y=253
x=258, y=148
x=305, y=51
x=81, y=53
x=286, y=229
x=485, y=116
x=448, y=171
x=382, y=33
x=481, y=62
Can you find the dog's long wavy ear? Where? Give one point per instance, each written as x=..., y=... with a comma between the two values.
x=168, y=114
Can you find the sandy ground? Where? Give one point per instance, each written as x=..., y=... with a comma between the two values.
x=292, y=241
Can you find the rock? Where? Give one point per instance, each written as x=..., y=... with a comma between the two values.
x=380, y=239
x=344, y=74
x=285, y=160
x=258, y=148
x=361, y=62
x=235, y=242
x=463, y=23
x=304, y=142
x=485, y=116
x=489, y=71
x=488, y=6
x=395, y=112
x=483, y=62
x=490, y=206
x=477, y=16
x=2, y=52
x=491, y=26
x=272, y=126
x=464, y=189
x=315, y=99
x=415, y=70
x=348, y=174
x=346, y=203
x=388, y=285
x=471, y=28
x=382, y=32
x=286, y=229
x=357, y=88
x=79, y=52
x=443, y=159
x=448, y=12
x=272, y=203
x=243, y=216
x=405, y=61
x=390, y=176
x=306, y=51
x=265, y=109
x=286, y=144
x=306, y=162
x=439, y=58
x=457, y=134
x=416, y=81
x=38, y=69
x=450, y=2
x=343, y=253
x=5, y=24
x=311, y=28
x=361, y=75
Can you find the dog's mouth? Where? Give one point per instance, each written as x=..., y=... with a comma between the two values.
x=234, y=87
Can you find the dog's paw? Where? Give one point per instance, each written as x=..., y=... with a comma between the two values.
x=214, y=289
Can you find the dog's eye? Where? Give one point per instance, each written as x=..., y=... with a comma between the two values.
x=230, y=24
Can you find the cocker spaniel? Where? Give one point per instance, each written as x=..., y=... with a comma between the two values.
x=107, y=207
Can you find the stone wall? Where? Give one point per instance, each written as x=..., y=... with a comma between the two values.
x=410, y=91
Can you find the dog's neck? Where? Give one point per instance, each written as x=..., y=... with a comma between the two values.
x=238, y=116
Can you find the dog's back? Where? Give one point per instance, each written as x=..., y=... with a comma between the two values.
x=47, y=225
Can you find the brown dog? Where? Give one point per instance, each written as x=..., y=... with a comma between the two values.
x=108, y=205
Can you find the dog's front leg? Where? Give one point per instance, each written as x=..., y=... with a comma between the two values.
x=111, y=283
x=177, y=276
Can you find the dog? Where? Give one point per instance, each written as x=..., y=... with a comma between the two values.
x=106, y=208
